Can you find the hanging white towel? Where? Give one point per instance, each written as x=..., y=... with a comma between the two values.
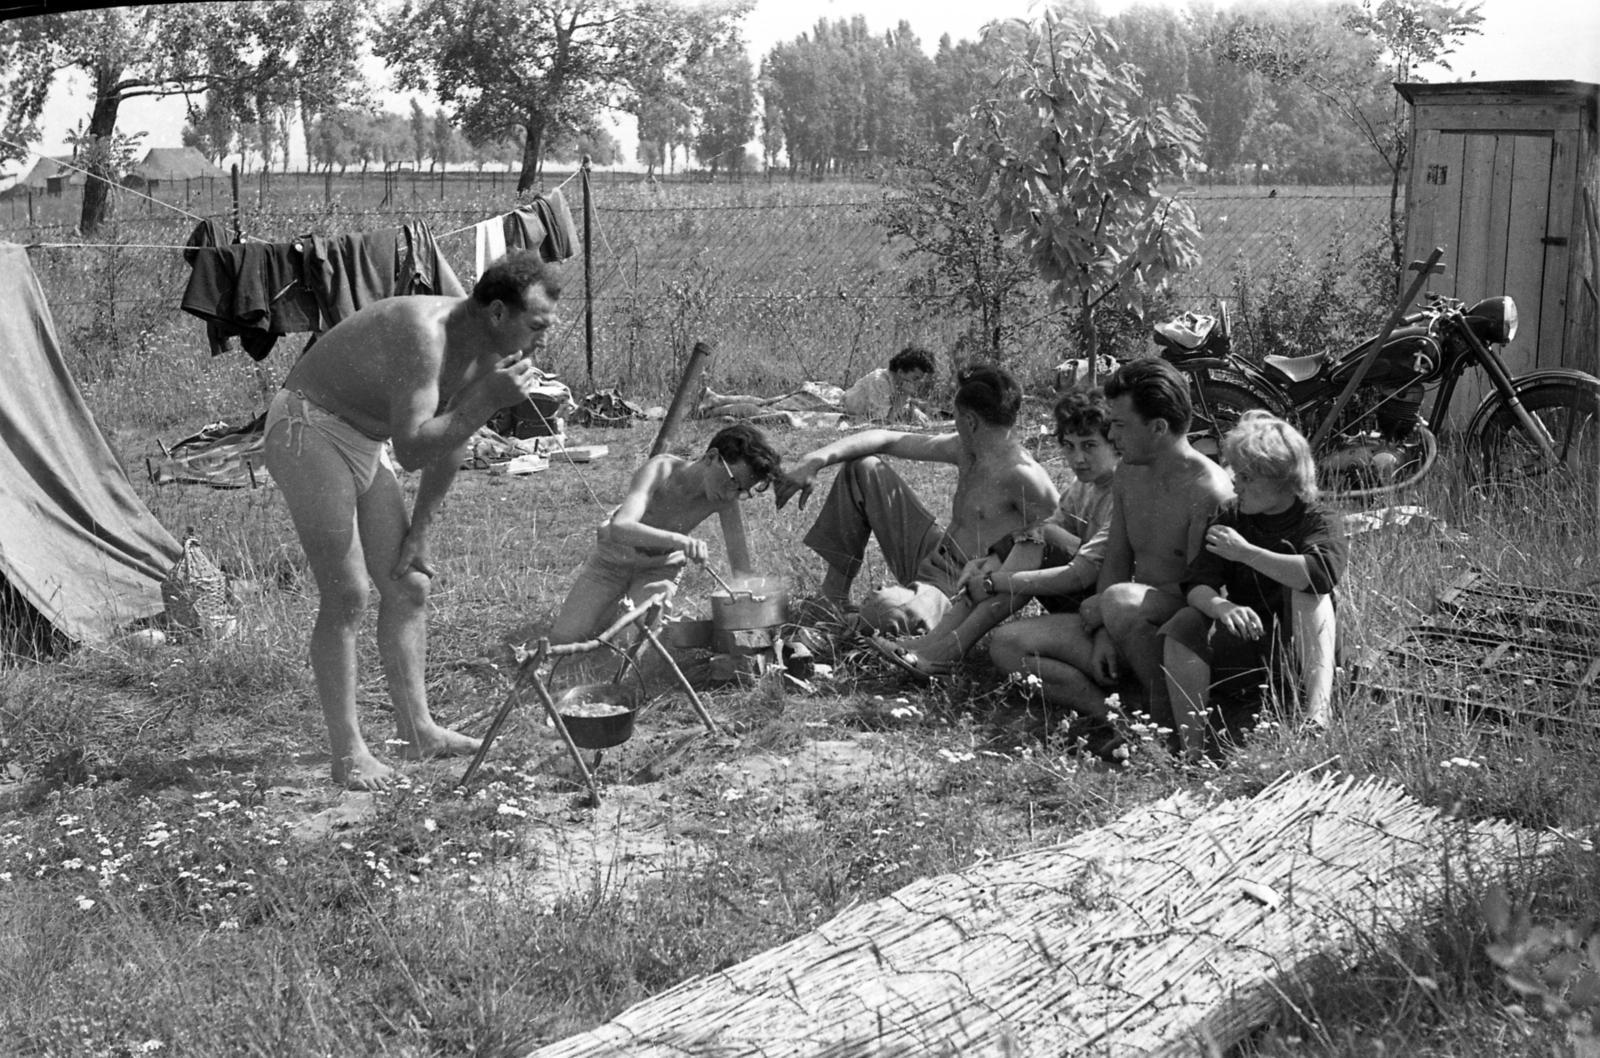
x=491, y=242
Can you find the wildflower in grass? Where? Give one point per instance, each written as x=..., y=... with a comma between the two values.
x=733, y=793
x=506, y=808
x=905, y=712
x=430, y=825
x=84, y=903
x=956, y=757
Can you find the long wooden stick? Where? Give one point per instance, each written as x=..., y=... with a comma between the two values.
x=683, y=681
x=531, y=663
x=566, y=736
x=1377, y=345
x=1592, y=222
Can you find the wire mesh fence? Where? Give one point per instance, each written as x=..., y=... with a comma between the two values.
x=791, y=282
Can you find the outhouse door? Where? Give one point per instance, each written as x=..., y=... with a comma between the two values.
x=1499, y=202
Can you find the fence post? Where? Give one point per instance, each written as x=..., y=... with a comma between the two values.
x=683, y=398
x=588, y=272
x=238, y=231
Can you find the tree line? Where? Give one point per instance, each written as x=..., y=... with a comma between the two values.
x=1291, y=91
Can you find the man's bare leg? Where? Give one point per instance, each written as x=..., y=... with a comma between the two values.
x=967, y=622
x=403, y=623
x=1315, y=639
x=1188, y=687
x=1134, y=614
x=317, y=486
x=1056, y=649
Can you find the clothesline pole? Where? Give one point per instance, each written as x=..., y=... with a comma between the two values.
x=238, y=230
x=588, y=274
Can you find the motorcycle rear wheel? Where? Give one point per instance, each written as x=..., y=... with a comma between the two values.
x=1503, y=456
x=1218, y=406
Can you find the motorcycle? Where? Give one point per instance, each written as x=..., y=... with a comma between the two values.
x=1374, y=440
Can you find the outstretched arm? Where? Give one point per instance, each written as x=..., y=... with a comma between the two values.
x=801, y=477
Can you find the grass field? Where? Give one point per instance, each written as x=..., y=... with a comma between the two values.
x=791, y=281
x=177, y=876
x=177, y=872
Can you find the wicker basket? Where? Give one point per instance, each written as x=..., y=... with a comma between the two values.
x=196, y=595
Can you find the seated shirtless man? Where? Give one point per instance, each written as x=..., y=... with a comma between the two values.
x=999, y=489
x=1057, y=562
x=424, y=372
x=1163, y=497
x=642, y=545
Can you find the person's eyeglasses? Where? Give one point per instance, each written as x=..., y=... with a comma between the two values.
x=744, y=493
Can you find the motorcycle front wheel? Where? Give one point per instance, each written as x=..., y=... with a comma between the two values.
x=1218, y=406
x=1503, y=456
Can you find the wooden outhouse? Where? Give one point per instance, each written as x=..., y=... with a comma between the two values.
x=1505, y=176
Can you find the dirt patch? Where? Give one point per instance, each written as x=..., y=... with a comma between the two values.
x=666, y=795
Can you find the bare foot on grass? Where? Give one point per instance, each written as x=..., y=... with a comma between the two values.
x=439, y=742
x=362, y=771
x=942, y=649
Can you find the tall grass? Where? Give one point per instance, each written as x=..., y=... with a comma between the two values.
x=157, y=889
x=136, y=909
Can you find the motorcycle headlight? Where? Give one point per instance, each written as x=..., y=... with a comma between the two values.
x=1494, y=320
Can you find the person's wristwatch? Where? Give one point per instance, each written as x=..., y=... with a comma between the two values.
x=988, y=583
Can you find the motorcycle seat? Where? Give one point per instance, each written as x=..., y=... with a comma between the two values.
x=1296, y=368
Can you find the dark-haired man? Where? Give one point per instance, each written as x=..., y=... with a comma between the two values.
x=1163, y=496
x=999, y=489
x=423, y=373
x=886, y=394
x=642, y=545
x=893, y=393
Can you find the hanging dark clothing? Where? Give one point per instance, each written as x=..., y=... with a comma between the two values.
x=561, y=238
x=255, y=291
x=349, y=272
x=524, y=230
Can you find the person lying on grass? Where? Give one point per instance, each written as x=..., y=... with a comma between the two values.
x=887, y=394
x=425, y=373
x=642, y=545
x=1163, y=496
x=1056, y=562
x=1272, y=559
x=999, y=489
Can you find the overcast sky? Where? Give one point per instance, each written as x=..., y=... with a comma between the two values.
x=1522, y=39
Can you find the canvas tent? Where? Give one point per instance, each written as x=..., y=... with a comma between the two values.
x=49, y=176
x=79, y=550
x=164, y=164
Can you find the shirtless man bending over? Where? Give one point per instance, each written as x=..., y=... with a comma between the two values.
x=999, y=489
x=641, y=546
x=424, y=372
x=1163, y=497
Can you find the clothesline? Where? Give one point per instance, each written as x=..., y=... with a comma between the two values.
x=118, y=187
x=102, y=246
x=507, y=213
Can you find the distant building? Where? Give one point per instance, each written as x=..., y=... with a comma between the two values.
x=49, y=176
x=171, y=164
